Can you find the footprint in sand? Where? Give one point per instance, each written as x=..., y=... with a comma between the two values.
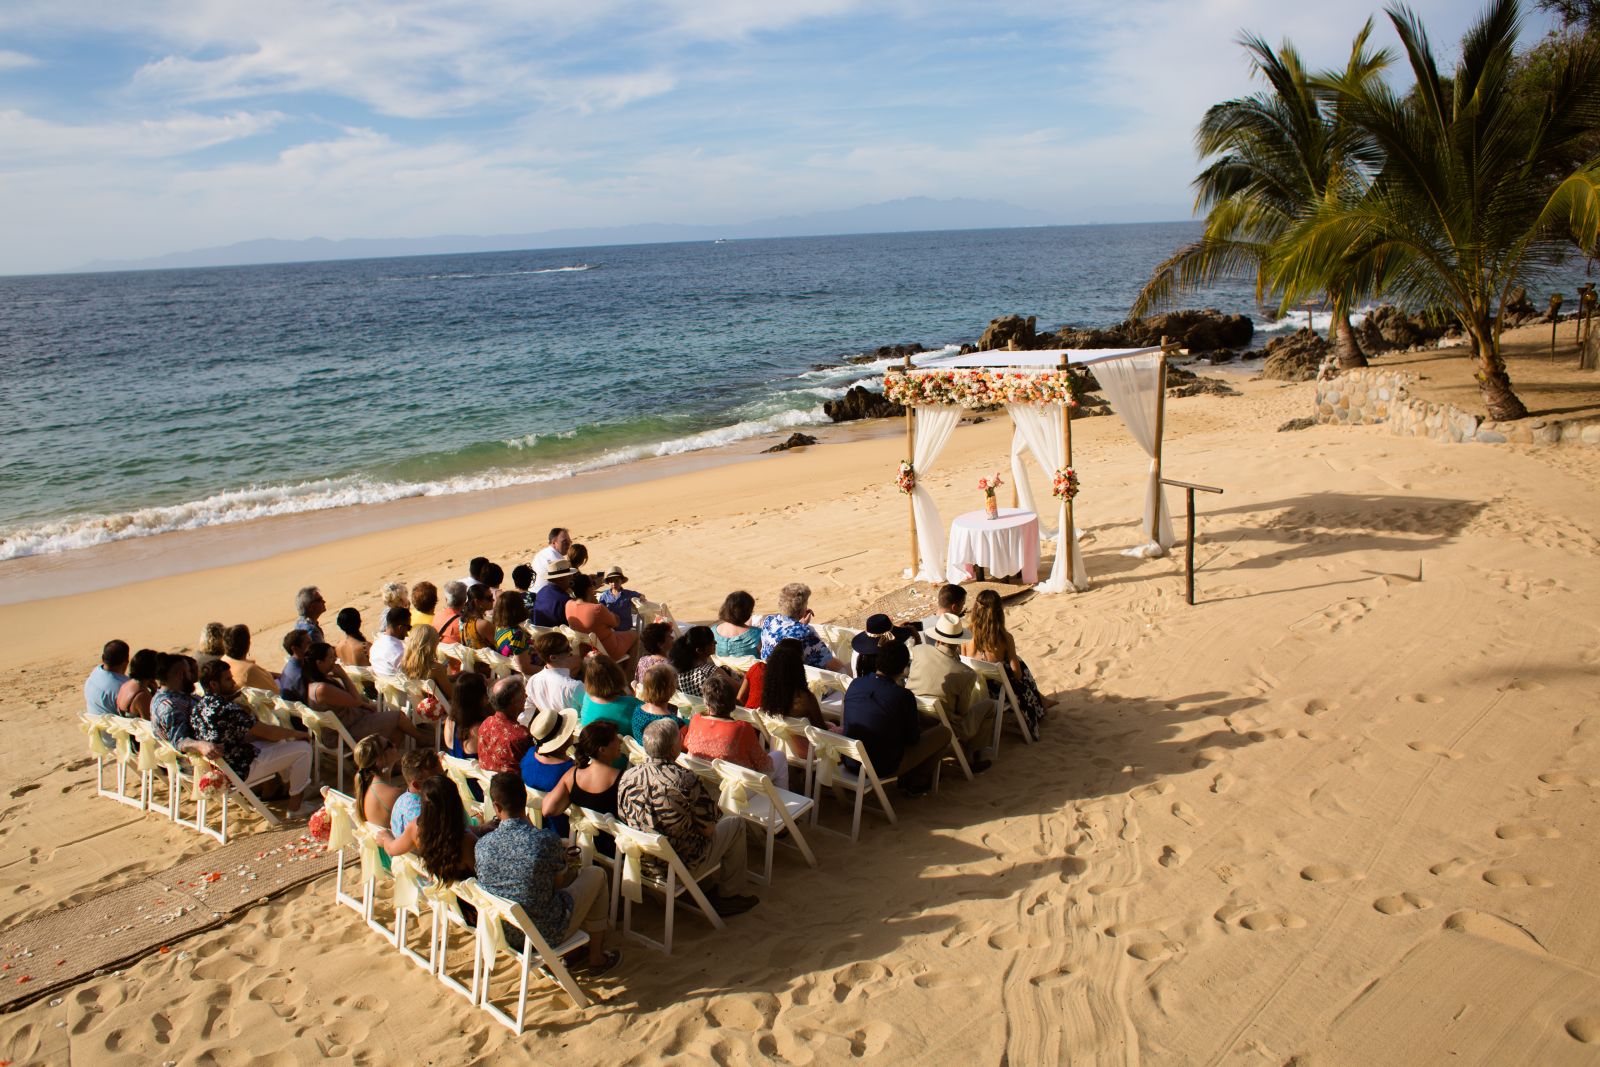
x=1154, y=951
x=1152, y=790
x=1517, y=831
x=1449, y=868
x=1502, y=878
x=1173, y=856
x=1420, y=698
x=1180, y=810
x=1432, y=749
x=1205, y=757
x=1222, y=782
x=1258, y=921
x=1584, y=1028
x=1317, y=707
x=1561, y=778
x=1401, y=903
x=1328, y=872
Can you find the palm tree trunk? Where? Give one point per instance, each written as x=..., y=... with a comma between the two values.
x=1345, y=346
x=1499, y=399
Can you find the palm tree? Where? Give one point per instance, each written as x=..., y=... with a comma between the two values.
x=1478, y=193
x=1278, y=156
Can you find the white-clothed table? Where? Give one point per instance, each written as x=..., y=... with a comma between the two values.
x=1005, y=545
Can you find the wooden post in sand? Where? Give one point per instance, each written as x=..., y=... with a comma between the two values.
x=911, y=451
x=1069, y=532
x=1555, y=320
x=1161, y=431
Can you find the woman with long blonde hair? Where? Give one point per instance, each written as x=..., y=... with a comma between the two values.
x=993, y=642
x=420, y=659
x=375, y=757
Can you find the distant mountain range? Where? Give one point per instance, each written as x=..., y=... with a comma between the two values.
x=894, y=216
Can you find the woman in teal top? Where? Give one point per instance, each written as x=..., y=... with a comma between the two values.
x=735, y=636
x=605, y=697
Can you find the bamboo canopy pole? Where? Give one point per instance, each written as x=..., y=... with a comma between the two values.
x=1069, y=535
x=1161, y=431
x=911, y=451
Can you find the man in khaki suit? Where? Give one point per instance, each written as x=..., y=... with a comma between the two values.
x=938, y=673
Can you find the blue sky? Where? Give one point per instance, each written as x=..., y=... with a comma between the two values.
x=134, y=129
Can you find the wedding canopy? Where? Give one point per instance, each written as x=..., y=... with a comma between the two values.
x=1036, y=389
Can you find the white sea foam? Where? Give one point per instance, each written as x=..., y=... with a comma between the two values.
x=243, y=505
x=1294, y=321
x=508, y=273
x=531, y=439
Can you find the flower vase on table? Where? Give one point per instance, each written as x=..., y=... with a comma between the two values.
x=991, y=506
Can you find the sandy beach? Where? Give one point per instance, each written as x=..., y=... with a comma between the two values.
x=1339, y=812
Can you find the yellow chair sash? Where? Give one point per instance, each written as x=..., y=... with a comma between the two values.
x=631, y=853
x=97, y=740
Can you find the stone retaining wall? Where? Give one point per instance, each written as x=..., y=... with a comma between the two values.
x=1375, y=395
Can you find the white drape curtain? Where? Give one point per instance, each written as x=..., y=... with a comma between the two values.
x=1133, y=387
x=1041, y=427
x=1019, y=471
x=934, y=425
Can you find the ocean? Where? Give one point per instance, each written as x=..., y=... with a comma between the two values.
x=142, y=402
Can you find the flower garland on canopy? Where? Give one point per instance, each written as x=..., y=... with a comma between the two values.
x=906, y=480
x=981, y=388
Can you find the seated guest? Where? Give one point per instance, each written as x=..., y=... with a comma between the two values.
x=447, y=621
x=133, y=699
x=475, y=568
x=662, y=797
x=938, y=673
x=793, y=619
x=395, y=596
x=424, y=599
x=991, y=641
x=502, y=740
x=577, y=555
x=555, y=550
x=100, y=689
x=375, y=759
x=591, y=782
x=326, y=690
x=553, y=687
x=784, y=691
x=213, y=643
x=690, y=656
x=510, y=638
x=717, y=735
x=468, y=711
x=420, y=660
x=550, y=602
x=416, y=767
x=438, y=834
x=735, y=635
x=353, y=647
x=247, y=674
x=493, y=576
x=522, y=581
x=548, y=759
x=255, y=751
x=654, y=642
x=605, y=695
x=529, y=866
x=172, y=708
x=952, y=599
x=882, y=714
x=617, y=598
x=310, y=605
x=659, y=685
x=390, y=645
x=292, y=679
x=880, y=631
x=587, y=616
x=476, y=629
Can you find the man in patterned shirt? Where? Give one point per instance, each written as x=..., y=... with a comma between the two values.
x=793, y=620
x=660, y=797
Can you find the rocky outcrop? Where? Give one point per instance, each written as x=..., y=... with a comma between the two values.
x=1295, y=358
x=887, y=352
x=1519, y=310
x=1008, y=331
x=1388, y=329
x=1204, y=330
x=1297, y=424
x=796, y=440
x=861, y=403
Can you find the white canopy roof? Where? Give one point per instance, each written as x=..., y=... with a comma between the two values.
x=1042, y=359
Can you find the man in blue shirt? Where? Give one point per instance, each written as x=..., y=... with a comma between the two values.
x=100, y=688
x=882, y=714
x=309, y=603
x=292, y=679
x=550, y=604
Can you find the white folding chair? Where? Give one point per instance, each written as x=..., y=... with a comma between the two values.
x=753, y=797
x=407, y=694
x=447, y=915
x=994, y=674
x=829, y=688
x=410, y=879
x=342, y=822
x=320, y=724
x=156, y=755
x=465, y=772
x=263, y=704
x=646, y=612
x=469, y=658
x=929, y=706
x=207, y=772
x=494, y=913
x=633, y=846
x=784, y=733
x=838, y=639
x=112, y=736
x=828, y=751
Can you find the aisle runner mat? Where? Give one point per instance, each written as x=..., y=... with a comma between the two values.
x=51, y=952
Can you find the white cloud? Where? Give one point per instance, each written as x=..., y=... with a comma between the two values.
x=29, y=139
x=10, y=60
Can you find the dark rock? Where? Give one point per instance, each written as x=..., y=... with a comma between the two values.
x=1210, y=386
x=1388, y=329
x=1297, y=424
x=1519, y=310
x=1295, y=358
x=1203, y=330
x=1009, y=330
x=861, y=403
x=796, y=440
x=887, y=352
x=1090, y=407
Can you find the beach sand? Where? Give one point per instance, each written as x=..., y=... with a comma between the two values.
x=1339, y=812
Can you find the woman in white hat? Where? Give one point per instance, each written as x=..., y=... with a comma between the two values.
x=548, y=759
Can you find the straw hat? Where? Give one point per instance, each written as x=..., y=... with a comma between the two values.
x=559, y=569
x=552, y=729
x=615, y=575
x=947, y=629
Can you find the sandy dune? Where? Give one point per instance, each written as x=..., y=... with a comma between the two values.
x=1334, y=814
